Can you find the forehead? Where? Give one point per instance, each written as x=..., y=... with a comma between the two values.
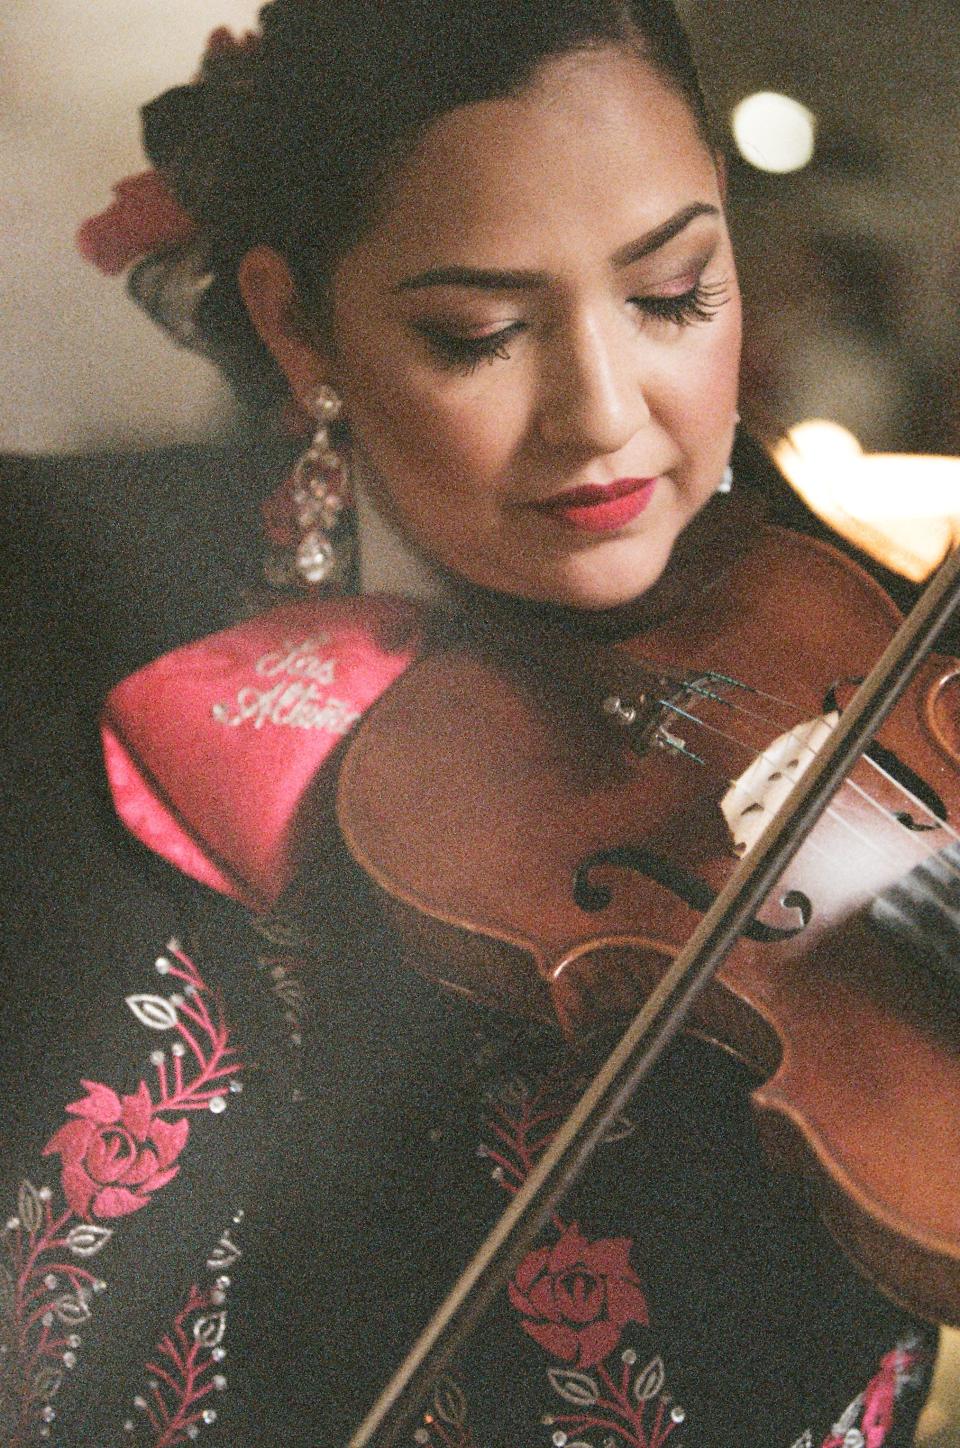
x=595, y=150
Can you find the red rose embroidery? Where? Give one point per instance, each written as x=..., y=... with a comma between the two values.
x=578, y=1296
x=144, y=216
x=116, y=1153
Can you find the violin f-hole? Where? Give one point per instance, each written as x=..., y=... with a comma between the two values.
x=908, y=779
x=685, y=885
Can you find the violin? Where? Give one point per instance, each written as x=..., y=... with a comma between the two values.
x=546, y=822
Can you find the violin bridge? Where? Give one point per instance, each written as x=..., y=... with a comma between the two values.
x=755, y=796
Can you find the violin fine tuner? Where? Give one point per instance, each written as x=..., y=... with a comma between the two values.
x=652, y=730
x=615, y=708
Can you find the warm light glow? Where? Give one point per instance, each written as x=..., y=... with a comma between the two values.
x=774, y=132
x=901, y=508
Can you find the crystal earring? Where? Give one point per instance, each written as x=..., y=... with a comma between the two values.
x=725, y=484
x=313, y=498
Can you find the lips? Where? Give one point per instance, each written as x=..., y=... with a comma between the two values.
x=601, y=507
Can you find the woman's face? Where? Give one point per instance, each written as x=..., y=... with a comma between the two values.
x=537, y=343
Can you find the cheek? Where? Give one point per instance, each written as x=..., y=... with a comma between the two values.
x=422, y=437
x=702, y=399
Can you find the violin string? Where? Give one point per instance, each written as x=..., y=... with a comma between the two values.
x=761, y=754
x=922, y=806
x=835, y=810
x=929, y=847
x=940, y=824
x=804, y=747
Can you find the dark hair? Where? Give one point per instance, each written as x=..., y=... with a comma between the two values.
x=288, y=139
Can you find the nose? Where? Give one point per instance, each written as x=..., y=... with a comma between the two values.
x=594, y=396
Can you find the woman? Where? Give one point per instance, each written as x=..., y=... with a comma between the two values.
x=484, y=246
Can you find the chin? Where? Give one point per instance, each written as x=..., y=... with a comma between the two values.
x=611, y=581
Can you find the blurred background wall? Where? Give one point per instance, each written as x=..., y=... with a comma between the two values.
x=851, y=265
x=81, y=367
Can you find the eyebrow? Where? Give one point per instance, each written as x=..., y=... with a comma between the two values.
x=489, y=280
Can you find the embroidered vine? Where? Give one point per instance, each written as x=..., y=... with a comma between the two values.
x=115, y=1152
x=866, y=1421
x=576, y=1297
x=445, y=1423
x=186, y=1369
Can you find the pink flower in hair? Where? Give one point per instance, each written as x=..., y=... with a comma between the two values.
x=143, y=217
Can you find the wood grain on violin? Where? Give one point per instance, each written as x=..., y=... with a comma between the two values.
x=545, y=827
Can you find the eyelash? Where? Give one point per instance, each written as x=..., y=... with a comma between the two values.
x=699, y=304
x=465, y=354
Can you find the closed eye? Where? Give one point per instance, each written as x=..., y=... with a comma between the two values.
x=699, y=304
x=464, y=353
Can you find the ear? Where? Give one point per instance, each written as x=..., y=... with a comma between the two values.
x=270, y=297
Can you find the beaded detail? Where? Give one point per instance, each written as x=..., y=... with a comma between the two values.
x=116, y=1152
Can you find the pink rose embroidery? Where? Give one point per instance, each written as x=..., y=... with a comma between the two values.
x=577, y=1296
x=143, y=216
x=116, y=1153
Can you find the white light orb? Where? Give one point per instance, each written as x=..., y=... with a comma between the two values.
x=774, y=132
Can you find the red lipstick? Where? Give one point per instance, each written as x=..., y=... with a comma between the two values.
x=601, y=507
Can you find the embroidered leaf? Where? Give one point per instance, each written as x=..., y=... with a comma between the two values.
x=578, y=1388
x=224, y=1254
x=649, y=1380
x=46, y=1384
x=848, y=1417
x=153, y=1011
x=449, y=1402
x=853, y=1439
x=71, y=1310
x=619, y=1129
x=804, y=1441
x=86, y=1240
x=29, y=1207
x=209, y=1330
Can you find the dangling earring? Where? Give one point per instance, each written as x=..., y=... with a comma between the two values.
x=725, y=484
x=313, y=499
x=321, y=488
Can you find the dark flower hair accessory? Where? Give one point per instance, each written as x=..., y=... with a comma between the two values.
x=223, y=45
x=144, y=217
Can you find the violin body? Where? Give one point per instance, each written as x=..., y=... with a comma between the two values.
x=537, y=848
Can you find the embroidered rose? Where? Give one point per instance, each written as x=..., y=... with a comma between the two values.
x=577, y=1296
x=143, y=216
x=116, y=1153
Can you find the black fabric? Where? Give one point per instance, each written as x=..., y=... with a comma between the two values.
x=346, y=1171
